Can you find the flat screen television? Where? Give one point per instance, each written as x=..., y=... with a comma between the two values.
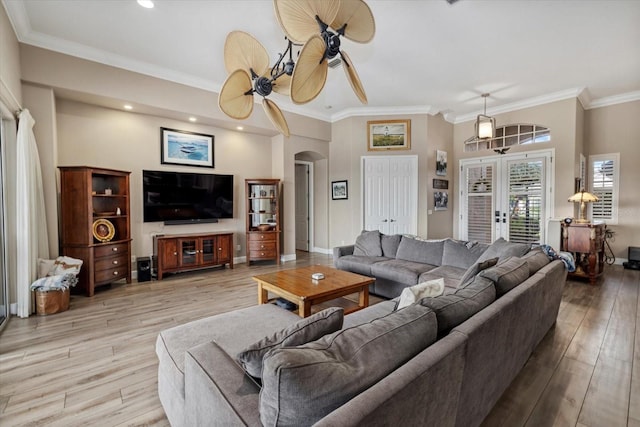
x=186, y=198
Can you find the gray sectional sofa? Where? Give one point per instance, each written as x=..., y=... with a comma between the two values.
x=398, y=261
x=443, y=361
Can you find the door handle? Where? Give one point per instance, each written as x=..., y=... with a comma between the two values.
x=393, y=220
x=384, y=220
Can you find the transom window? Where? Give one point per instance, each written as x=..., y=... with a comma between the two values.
x=508, y=135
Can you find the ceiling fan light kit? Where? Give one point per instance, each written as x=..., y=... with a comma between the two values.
x=317, y=26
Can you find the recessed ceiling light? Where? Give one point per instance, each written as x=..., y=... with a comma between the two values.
x=128, y=107
x=192, y=119
x=239, y=127
x=148, y=4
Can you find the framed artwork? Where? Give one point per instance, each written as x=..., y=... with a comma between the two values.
x=441, y=184
x=180, y=147
x=441, y=163
x=384, y=135
x=440, y=200
x=339, y=190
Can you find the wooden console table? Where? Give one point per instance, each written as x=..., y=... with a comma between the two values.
x=184, y=252
x=586, y=242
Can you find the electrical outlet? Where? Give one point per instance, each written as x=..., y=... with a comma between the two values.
x=238, y=248
x=133, y=259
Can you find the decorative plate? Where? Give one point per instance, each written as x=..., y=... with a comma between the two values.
x=103, y=230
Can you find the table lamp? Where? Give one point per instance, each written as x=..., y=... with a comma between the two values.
x=583, y=198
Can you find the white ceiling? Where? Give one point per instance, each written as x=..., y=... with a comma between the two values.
x=427, y=56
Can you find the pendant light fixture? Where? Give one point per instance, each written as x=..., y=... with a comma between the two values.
x=485, y=125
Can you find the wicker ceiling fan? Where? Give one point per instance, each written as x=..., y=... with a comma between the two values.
x=316, y=25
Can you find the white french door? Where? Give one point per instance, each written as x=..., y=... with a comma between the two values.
x=506, y=196
x=390, y=194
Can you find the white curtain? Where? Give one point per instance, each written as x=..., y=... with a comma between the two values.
x=31, y=225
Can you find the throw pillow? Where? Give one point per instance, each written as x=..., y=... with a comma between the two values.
x=306, y=330
x=461, y=254
x=390, y=244
x=475, y=269
x=65, y=265
x=44, y=267
x=422, y=251
x=368, y=244
x=503, y=249
x=536, y=259
x=507, y=274
x=453, y=309
x=301, y=385
x=431, y=288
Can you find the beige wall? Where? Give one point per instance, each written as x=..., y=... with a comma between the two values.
x=440, y=137
x=101, y=137
x=349, y=145
x=616, y=129
x=561, y=118
x=10, y=90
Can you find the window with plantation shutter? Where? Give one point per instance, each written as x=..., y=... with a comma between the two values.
x=525, y=200
x=480, y=203
x=603, y=180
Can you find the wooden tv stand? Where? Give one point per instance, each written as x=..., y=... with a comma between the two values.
x=184, y=252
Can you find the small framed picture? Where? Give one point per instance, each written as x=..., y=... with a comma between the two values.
x=441, y=163
x=441, y=184
x=440, y=200
x=339, y=190
x=384, y=135
x=180, y=147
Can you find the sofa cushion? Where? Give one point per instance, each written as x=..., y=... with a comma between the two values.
x=504, y=249
x=357, y=264
x=453, y=309
x=390, y=243
x=431, y=288
x=368, y=244
x=422, y=251
x=306, y=330
x=536, y=259
x=405, y=272
x=507, y=274
x=461, y=254
x=475, y=269
x=301, y=385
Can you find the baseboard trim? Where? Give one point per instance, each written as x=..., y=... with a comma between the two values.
x=322, y=251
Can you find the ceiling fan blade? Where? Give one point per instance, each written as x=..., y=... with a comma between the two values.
x=242, y=51
x=298, y=17
x=276, y=116
x=352, y=76
x=282, y=85
x=310, y=73
x=361, y=26
x=233, y=100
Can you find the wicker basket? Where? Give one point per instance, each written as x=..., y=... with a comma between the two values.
x=51, y=302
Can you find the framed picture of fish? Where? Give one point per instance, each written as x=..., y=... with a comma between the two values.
x=179, y=147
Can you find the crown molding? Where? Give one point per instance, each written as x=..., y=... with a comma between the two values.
x=615, y=99
x=525, y=103
x=383, y=111
x=17, y=13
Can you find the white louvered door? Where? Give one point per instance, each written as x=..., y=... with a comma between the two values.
x=506, y=196
x=390, y=194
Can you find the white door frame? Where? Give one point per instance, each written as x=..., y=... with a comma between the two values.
x=500, y=190
x=414, y=178
x=311, y=208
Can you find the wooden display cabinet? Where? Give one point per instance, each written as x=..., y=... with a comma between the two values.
x=95, y=224
x=263, y=219
x=175, y=253
x=586, y=242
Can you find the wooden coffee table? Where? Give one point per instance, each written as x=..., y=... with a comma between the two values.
x=298, y=287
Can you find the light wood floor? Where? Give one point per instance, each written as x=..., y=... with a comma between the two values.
x=96, y=365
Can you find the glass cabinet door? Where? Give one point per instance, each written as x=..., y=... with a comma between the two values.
x=263, y=205
x=207, y=251
x=188, y=252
